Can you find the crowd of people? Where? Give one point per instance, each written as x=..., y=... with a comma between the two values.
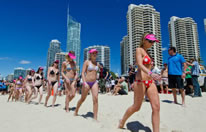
x=95, y=78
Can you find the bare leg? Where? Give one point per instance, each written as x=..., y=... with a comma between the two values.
x=183, y=96
x=162, y=90
x=155, y=104
x=174, y=95
x=35, y=94
x=40, y=93
x=55, y=88
x=95, y=100
x=82, y=99
x=139, y=91
x=48, y=94
x=68, y=89
x=29, y=94
x=167, y=89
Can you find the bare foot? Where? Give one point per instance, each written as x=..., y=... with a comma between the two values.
x=175, y=102
x=75, y=113
x=45, y=104
x=120, y=124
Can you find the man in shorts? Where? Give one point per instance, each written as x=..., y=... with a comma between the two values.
x=176, y=73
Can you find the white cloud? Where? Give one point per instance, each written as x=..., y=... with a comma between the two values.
x=164, y=48
x=24, y=62
x=4, y=58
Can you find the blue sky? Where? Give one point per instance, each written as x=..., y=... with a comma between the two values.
x=27, y=27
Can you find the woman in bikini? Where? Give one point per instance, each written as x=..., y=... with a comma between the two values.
x=18, y=88
x=89, y=77
x=69, y=74
x=53, y=82
x=29, y=85
x=38, y=84
x=12, y=91
x=144, y=83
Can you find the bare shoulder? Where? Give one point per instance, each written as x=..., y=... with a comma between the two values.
x=139, y=50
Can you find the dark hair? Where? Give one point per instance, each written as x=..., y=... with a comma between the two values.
x=173, y=48
x=42, y=74
x=57, y=65
x=30, y=72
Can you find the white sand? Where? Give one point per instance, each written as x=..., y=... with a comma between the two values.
x=21, y=117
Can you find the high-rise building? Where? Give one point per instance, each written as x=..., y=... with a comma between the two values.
x=10, y=77
x=19, y=72
x=53, y=49
x=124, y=55
x=141, y=19
x=73, y=37
x=103, y=54
x=205, y=24
x=61, y=57
x=184, y=36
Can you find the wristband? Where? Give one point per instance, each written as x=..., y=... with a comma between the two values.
x=150, y=73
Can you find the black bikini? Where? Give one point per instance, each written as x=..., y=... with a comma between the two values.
x=38, y=86
x=53, y=83
x=52, y=73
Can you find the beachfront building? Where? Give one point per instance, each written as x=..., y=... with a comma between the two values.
x=141, y=19
x=124, y=55
x=10, y=77
x=61, y=57
x=103, y=54
x=53, y=49
x=19, y=72
x=73, y=37
x=184, y=36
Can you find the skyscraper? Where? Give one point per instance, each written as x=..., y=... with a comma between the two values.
x=73, y=37
x=205, y=24
x=61, y=57
x=124, y=55
x=103, y=54
x=184, y=36
x=53, y=49
x=141, y=19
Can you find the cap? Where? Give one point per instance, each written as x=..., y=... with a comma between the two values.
x=93, y=50
x=72, y=56
x=152, y=37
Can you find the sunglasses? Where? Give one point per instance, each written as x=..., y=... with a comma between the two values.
x=150, y=41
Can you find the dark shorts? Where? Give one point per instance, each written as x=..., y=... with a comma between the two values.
x=189, y=81
x=176, y=81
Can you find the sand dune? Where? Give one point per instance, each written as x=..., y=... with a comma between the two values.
x=21, y=117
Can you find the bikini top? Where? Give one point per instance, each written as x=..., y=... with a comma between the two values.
x=29, y=79
x=91, y=67
x=147, y=60
x=70, y=68
x=18, y=83
x=38, y=77
x=52, y=72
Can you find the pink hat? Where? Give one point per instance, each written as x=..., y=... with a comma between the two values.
x=14, y=81
x=32, y=70
x=152, y=38
x=93, y=50
x=72, y=56
x=41, y=68
x=20, y=77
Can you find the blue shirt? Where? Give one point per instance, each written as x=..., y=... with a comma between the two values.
x=195, y=69
x=175, y=64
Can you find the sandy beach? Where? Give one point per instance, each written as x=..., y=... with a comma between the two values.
x=21, y=117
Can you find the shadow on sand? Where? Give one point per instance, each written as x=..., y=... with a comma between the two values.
x=170, y=102
x=88, y=115
x=56, y=105
x=137, y=126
